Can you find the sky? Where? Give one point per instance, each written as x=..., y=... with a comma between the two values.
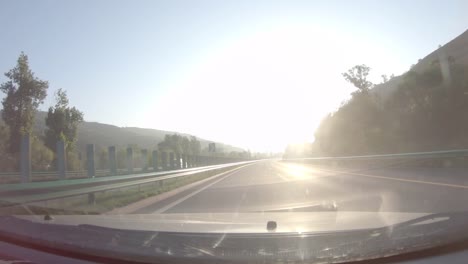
x=254, y=74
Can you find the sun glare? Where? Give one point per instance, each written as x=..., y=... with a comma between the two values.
x=265, y=90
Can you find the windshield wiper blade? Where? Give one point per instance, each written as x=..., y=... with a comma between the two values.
x=448, y=220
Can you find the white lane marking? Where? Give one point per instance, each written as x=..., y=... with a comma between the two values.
x=169, y=206
x=399, y=179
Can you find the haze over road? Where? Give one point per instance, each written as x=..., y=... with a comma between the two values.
x=279, y=186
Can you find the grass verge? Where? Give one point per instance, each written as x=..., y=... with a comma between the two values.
x=109, y=200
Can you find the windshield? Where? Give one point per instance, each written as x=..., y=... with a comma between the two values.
x=235, y=117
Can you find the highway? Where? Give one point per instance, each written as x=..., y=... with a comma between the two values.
x=276, y=186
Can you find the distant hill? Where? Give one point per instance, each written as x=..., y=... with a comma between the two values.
x=104, y=135
x=428, y=113
x=456, y=48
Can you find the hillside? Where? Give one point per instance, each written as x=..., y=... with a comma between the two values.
x=456, y=48
x=424, y=111
x=104, y=135
x=159, y=136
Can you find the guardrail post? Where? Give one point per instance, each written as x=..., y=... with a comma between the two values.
x=155, y=160
x=61, y=164
x=177, y=162
x=25, y=158
x=164, y=160
x=187, y=161
x=112, y=161
x=144, y=154
x=130, y=160
x=90, y=160
x=184, y=161
x=171, y=160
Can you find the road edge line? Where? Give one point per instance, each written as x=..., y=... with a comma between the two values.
x=131, y=208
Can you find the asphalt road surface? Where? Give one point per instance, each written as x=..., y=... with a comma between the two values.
x=275, y=186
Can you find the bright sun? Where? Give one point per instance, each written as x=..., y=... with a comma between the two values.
x=261, y=92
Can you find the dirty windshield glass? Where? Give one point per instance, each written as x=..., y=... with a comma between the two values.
x=234, y=120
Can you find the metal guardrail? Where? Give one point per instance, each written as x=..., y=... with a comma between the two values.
x=17, y=176
x=75, y=183
x=411, y=155
x=433, y=159
x=50, y=192
x=14, y=177
x=69, y=174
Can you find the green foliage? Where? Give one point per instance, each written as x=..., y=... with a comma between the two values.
x=149, y=159
x=432, y=114
x=121, y=157
x=424, y=114
x=109, y=200
x=42, y=158
x=351, y=130
x=195, y=146
x=185, y=145
x=24, y=93
x=358, y=77
x=62, y=122
x=8, y=162
x=73, y=161
x=4, y=135
x=180, y=145
x=103, y=159
x=386, y=78
x=239, y=154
